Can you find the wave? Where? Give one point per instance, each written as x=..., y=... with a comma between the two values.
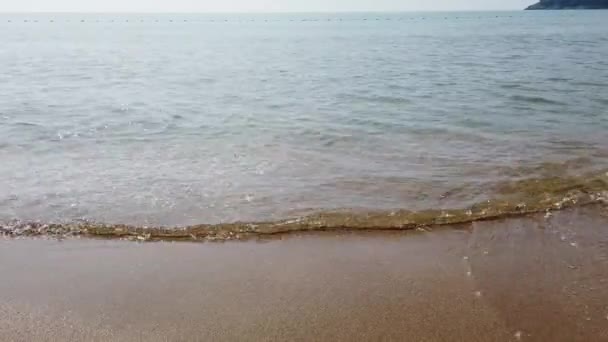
x=515, y=198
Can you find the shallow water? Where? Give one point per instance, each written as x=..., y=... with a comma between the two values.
x=188, y=119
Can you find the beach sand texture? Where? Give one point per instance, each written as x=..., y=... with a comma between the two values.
x=534, y=278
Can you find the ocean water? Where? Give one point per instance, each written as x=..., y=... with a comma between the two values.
x=187, y=119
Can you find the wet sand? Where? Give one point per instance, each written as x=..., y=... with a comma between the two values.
x=532, y=278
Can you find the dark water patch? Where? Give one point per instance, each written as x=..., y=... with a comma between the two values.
x=511, y=86
x=590, y=84
x=379, y=99
x=26, y=124
x=535, y=100
x=515, y=198
x=328, y=140
x=473, y=123
x=277, y=106
x=398, y=87
x=602, y=101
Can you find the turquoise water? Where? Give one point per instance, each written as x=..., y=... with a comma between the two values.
x=184, y=119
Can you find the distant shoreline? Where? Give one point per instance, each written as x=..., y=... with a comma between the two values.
x=569, y=5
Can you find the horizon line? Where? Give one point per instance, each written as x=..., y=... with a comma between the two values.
x=264, y=12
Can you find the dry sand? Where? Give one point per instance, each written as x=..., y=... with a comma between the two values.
x=528, y=279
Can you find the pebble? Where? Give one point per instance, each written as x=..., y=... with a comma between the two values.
x=573, y=244
x=517, y=335
x=465, y=257
x=477, y=294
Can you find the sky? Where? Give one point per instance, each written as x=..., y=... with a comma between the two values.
x=256, y=5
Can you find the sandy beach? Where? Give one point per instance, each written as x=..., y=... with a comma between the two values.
x=271, y=170
x=535, y=278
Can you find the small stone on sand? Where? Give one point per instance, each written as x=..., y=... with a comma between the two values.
x=517, y=335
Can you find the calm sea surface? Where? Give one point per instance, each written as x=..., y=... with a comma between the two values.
x=184, y=119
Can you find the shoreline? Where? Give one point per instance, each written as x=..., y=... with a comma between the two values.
x=400, y=220
x=518, y=198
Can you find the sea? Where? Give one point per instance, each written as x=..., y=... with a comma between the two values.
x=173, y=120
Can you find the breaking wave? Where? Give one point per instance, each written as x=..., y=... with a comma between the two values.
x=513, y=198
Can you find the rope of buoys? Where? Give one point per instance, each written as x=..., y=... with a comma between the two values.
x=273, y=20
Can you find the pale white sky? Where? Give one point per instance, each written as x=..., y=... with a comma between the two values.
x=256, y=5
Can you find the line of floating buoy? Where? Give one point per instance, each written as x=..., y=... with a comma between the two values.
x=269, y=20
